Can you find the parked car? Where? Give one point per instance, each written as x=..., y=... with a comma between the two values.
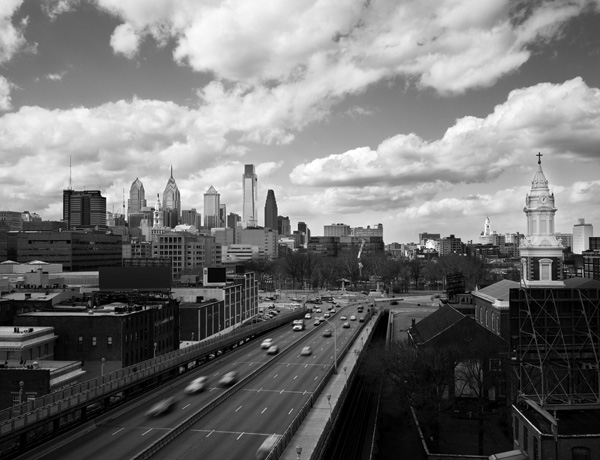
x=196, y=385
x=228, y=379
x=346, y=325
x=161, y=407
x=273, y=350
x=306, y=351
x=327, y=333
x=266, y=343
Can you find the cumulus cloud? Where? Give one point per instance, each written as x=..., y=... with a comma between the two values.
x=560, y=119
x=55, y=76
x=5, y=99
x=292, y=62
x=11, y=36
x=125, y=40
x=54, y=8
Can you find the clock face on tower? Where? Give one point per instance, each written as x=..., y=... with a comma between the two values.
x=543, y=199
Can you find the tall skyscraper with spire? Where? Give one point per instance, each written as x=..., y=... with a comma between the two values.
x=541, y=252
x=271, y=211
x=250, y=189
x=212, y=208
x=172, y=203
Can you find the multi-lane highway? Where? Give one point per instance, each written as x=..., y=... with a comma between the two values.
x=236, y=428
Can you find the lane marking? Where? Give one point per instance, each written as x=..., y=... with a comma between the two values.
x=144, y=434
x=238, y=408
x=275, y=376
x=263, y=411
x=281, y=392
x=295, y=377
x=291, y=410
x=238, y=438
x=187, y=405
x=210, y=433
x=118, y=431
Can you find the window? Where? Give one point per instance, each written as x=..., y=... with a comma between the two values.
x=536, y=449
x=80, y=342
x=94, y=342
x=580, y=453
x=16, y=399
x=109, y=341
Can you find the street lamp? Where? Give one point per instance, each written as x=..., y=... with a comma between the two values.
x=102, y=367
x=334, y=346
x=346, y=374
x=329, y=402
x=21, y=385
x=155, y=345
x=298, y=451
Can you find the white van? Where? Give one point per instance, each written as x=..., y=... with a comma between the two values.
x=510, y=455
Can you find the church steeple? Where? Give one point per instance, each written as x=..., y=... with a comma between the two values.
x=541, y=252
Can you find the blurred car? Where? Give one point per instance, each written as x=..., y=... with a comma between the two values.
x=306, y=351
x=273, y=350
x=266, y=447
x=317, y=322
x=326, y=315
x=196, y=385
x=346, y=325
x=297, y=327
x=266, y=343
x=317, y=310
x=362, y=319
x=353, y=318
x=307, y=316
x=161, y=407
x=228, y=379
x=327, y=333
x=343, y=318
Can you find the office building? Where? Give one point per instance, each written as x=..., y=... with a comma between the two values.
x=171, y=203
x=137, y=198
x=250, y=190
x=336, y=230
x=84, y=209
x=425, y=236
x=581, y=236
x=222, y=215
x=542, y=254
x=191, y=217
x=212, y=208
x=264, y=238
x=271, y=211
x=11, y=221
x=376, y=230
x=284, y=227
x=233, y=220
x=187, y=252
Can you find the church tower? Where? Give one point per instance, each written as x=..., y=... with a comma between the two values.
x=541, y=252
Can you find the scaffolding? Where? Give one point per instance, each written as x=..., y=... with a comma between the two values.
x=555, y=346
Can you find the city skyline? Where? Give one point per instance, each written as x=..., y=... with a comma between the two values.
x=348, y=118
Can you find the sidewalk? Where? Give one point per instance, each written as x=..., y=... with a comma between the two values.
x=309, y=433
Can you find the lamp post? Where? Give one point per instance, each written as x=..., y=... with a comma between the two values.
x=102, y=367
x=329, y=402
x=299, y=451
x=155, y=345
x=21, y=385
x=334, y=345
x=346, y=374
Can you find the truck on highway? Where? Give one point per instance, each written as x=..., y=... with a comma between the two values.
x=298, y=325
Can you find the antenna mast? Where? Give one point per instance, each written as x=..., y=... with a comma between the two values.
x=70, y=183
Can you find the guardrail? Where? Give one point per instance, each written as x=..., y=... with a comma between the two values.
x=19, y=418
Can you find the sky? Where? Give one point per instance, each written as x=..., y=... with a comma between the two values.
x=421, y=115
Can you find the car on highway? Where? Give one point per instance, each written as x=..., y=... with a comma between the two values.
x=161, y=407
x=306, y=351
x=229, y=379
x=326, y=315
x=266, y=447
x=346, y=325
x=353, y=318
x=343, y=318
x=317, y=322
x=266, y=343
x=307, y=316
x=273, y=350
x=327, y=333
x=362, y=319
x=196, y=385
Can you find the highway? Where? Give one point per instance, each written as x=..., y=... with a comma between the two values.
x=235, y=428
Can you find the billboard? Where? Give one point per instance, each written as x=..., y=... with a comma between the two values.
x=135, y=278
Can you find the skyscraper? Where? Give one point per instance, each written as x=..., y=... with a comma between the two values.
x=581, y=236
x=249, y=184
x=84, y=209
x=541, y=252
x=271, y=211
x=233, y=219
x=137, y=197
x=171, y=203
x=212, y=208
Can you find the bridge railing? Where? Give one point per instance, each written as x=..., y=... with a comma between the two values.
x=21, y=416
